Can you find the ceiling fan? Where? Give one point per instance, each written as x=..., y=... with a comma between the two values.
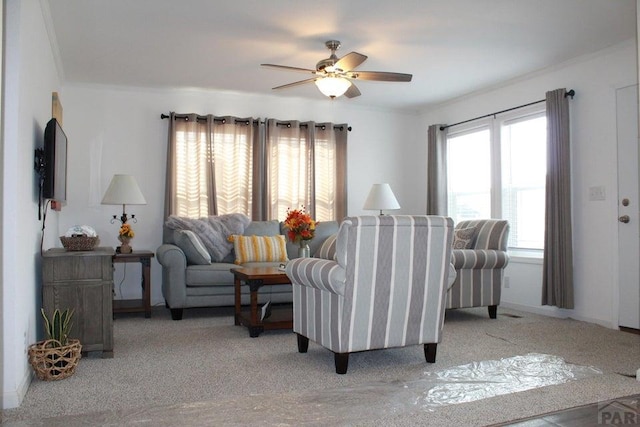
x=333, y=76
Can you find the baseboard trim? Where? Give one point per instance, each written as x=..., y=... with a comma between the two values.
x=14, y=398
x=560, y=313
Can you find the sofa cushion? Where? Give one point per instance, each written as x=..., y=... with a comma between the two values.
x=192, y=247
x=463, y=238
x=328, y=248
x=214, y=274
x=259, y=248
x=262, y=228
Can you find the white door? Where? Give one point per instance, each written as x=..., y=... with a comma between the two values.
x=628, y=208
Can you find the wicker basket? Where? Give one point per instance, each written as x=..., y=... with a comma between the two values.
x=79, y=243
x=54, y=363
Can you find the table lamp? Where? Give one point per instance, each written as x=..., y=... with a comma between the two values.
x=123, y=190
x=381, y=198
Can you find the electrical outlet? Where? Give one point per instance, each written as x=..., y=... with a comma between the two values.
x=506, y=282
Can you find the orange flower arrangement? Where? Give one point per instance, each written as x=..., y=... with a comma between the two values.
x=299, y=224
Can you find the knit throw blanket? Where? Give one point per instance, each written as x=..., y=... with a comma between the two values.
x=213, y=231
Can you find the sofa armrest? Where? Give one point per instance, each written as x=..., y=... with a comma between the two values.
x=322, y=274
x=174, y=271
x=479, y=259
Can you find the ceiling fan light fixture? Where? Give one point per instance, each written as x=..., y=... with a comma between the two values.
x=333, y=87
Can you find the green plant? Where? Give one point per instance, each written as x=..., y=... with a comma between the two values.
x=59, y=326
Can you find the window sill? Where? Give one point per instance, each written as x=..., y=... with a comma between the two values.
x=526, y=256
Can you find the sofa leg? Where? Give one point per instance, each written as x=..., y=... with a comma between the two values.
x=176, y=313
x=342, y=362
x=303, y=344
x=493, y=311
x=430, y=352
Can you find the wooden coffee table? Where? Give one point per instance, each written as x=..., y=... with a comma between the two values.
x=255, y=278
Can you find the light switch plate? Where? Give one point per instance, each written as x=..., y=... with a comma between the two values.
x=597, y=193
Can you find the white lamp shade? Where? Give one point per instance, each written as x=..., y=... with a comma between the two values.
x=123, y=190
x=333, y=86
x=381, y=198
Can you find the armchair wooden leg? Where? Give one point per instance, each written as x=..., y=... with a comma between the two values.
x=430, y=352
x=303, y=344
x=342, y=362
x=493, y=311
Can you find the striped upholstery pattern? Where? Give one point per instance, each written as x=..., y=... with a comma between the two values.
x=386, y=289
x=480, y=270
x=328, y=248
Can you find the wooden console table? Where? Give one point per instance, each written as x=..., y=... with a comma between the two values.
x=136, y=305
x=255, y=278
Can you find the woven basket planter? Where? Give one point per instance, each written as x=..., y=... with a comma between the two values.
x=50, y=361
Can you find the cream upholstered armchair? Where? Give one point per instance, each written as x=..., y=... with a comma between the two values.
x=480, y=265
x=385, y=288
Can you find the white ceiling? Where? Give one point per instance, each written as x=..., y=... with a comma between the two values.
x=451, y=47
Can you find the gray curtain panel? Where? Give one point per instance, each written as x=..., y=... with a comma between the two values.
x=170, y=182
x=557, y=280
x=436, y=171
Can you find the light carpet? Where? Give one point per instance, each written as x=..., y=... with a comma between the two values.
x=203, y=370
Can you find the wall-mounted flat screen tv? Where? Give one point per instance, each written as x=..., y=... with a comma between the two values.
x=55, y=163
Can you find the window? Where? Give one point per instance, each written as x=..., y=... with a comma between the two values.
x=524, y=148
x=300, y=171
x=224, y=166
x=497, y=169
x=469, y=155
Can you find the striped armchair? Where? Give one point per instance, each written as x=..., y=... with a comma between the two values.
x=386, y=287
x=480, y=269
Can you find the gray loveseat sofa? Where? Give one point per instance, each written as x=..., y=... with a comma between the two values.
x=186, y=285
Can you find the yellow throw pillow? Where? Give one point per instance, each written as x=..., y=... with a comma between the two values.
x=260, y=248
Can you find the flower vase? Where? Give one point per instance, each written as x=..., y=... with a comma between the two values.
x=303, y=250
x=125, y=247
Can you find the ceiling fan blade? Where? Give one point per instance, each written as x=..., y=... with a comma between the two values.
x=287, y=68
x=301, y=82
x=350, y=61
x=352, y=92
x=380, y=76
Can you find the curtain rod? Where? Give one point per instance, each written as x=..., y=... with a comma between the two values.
x=222, y=120
x=570, y=93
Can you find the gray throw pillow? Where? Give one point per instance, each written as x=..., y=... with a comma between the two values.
x=463, y=238
x=192, y=247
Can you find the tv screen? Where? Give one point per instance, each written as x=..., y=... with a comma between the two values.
x=55, y=162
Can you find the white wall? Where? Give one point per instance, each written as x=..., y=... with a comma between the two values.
x=119, y=130
x=30, y=78
x=595, y=79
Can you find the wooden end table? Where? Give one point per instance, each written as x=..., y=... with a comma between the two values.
x=255, y=278
x=136, y=305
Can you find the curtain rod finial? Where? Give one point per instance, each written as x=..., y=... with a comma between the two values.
x=570, y=93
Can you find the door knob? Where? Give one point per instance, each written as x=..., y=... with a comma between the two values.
x=624, y=218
